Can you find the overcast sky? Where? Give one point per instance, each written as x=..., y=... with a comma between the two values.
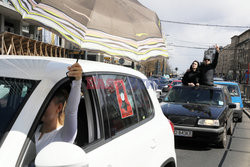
x=216, y=12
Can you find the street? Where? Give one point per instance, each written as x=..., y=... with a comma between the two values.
x=236, y=154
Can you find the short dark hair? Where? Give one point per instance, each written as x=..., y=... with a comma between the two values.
x=61, y=95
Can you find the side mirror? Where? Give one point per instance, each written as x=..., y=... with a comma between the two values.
x=232, y=105
x=61, y=154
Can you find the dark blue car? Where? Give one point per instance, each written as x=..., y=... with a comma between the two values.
x=200, y=113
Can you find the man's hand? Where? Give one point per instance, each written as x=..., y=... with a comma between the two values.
x=217, y=48
x=75, y=71
x=191, y=84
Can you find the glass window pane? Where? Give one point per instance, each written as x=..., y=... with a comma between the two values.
x=12, y=95
x=142, y=99
x=233, y=90
x=119, y=102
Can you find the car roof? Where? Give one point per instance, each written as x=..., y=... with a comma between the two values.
x=53, y=68
x=218, y=79
x=226, y=82
x=203, y=86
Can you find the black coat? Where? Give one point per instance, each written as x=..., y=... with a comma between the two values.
x=207, y=71
x=191, y=77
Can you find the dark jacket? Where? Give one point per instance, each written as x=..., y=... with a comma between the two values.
x=191, y=76
x=207, y=71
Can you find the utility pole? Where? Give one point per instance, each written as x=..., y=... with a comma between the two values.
x=248, y=73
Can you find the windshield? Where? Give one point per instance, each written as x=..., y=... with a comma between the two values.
x=195, y=95
x=233, y=90
x=12, y=95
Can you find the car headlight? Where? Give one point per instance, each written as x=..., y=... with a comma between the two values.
x=237, y=106
x=209, y=122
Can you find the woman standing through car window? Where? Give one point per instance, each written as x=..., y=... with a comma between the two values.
x=191, y=77
x=54, y=127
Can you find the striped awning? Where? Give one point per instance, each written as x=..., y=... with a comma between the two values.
x=118, y=27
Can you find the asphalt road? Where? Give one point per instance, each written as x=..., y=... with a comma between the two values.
x=236, y=154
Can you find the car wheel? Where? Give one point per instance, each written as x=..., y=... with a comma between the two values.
x=223, y=142
x=230, y=130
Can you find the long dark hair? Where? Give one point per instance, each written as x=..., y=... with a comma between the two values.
x=197, y=65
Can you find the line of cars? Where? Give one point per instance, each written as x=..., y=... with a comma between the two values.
x=162, y=85
x=104, y=130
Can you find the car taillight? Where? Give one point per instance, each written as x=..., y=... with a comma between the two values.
x=172, y=125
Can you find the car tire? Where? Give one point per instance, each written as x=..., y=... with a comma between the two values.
x=223, y=142
x=230, y=130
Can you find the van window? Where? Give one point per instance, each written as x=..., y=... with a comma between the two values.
x=118, y=97
x=12, y=94
x=233, y=90
x=142, y=99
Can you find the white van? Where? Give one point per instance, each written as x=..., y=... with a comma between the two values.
x=106, y=136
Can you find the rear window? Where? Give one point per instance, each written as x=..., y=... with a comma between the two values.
x=13, y=93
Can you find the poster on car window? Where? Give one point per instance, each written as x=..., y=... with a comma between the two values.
x=122, y=98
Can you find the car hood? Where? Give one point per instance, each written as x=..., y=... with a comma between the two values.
x=188, y=114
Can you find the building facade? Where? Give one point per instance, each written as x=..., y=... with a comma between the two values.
x=16, y=32
x=234, y=59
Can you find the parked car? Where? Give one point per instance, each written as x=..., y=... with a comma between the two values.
x=163, y=82
x=235, y=93
x=157, y=91
x=200, y=113
x=109, y=134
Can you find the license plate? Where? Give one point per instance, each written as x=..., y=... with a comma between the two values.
x=185, y=133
